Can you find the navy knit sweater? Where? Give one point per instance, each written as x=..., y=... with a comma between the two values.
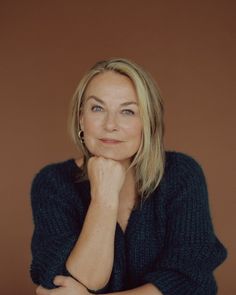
x=169, y=241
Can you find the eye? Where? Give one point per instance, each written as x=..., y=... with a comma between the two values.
x=96, y=108
x=128, y=112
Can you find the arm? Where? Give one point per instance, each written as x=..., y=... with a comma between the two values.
x=50, y=248
x=60, y=234
x=91, y=260
x=67, y=285
x=57, y=225
x=191, y=251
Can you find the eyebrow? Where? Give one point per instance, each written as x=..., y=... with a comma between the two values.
x=103, y=103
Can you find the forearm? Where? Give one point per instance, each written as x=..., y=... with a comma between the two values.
x=147, y=289
x=91, y=260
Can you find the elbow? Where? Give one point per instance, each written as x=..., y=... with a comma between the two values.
x=91, y=280
x=95, y=285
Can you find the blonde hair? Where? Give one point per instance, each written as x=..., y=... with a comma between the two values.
x=149, y=161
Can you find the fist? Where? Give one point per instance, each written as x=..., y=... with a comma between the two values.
x=106, y=178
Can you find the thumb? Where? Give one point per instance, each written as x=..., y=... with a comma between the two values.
x=59, y=280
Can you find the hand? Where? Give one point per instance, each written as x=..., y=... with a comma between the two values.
x=106, y=178
x=67, y=286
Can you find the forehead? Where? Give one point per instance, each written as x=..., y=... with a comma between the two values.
x=111, y=84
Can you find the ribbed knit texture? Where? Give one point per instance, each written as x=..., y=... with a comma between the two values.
x=169, y=241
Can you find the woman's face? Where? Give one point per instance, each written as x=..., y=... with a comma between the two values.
x=110, y=117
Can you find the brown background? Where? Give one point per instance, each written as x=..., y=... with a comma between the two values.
x=188, y=46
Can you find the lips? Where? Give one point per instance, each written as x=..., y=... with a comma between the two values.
x=110, y=140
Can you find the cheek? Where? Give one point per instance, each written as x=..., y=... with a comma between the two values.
x=91, y=125
x=134, y=132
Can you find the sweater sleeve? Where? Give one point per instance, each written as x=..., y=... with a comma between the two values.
x=192, y=251
x=57, y=224
x=55, y=228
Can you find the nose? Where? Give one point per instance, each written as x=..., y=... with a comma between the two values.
x=110, y=122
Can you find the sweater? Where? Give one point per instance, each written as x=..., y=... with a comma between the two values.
x=169, y=241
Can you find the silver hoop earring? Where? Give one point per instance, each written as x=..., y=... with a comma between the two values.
x=81, y=136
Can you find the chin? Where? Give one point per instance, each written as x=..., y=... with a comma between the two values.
x=112, y=156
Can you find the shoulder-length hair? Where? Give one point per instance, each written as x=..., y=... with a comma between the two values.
x=149, y=161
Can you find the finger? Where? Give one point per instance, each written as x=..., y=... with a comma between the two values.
x=42, y=291
x=60, y=280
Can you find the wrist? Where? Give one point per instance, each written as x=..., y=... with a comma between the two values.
x=110, y=204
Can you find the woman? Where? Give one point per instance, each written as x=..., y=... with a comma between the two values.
x=126, y=217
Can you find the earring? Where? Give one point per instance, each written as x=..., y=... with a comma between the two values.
x=81, y=136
